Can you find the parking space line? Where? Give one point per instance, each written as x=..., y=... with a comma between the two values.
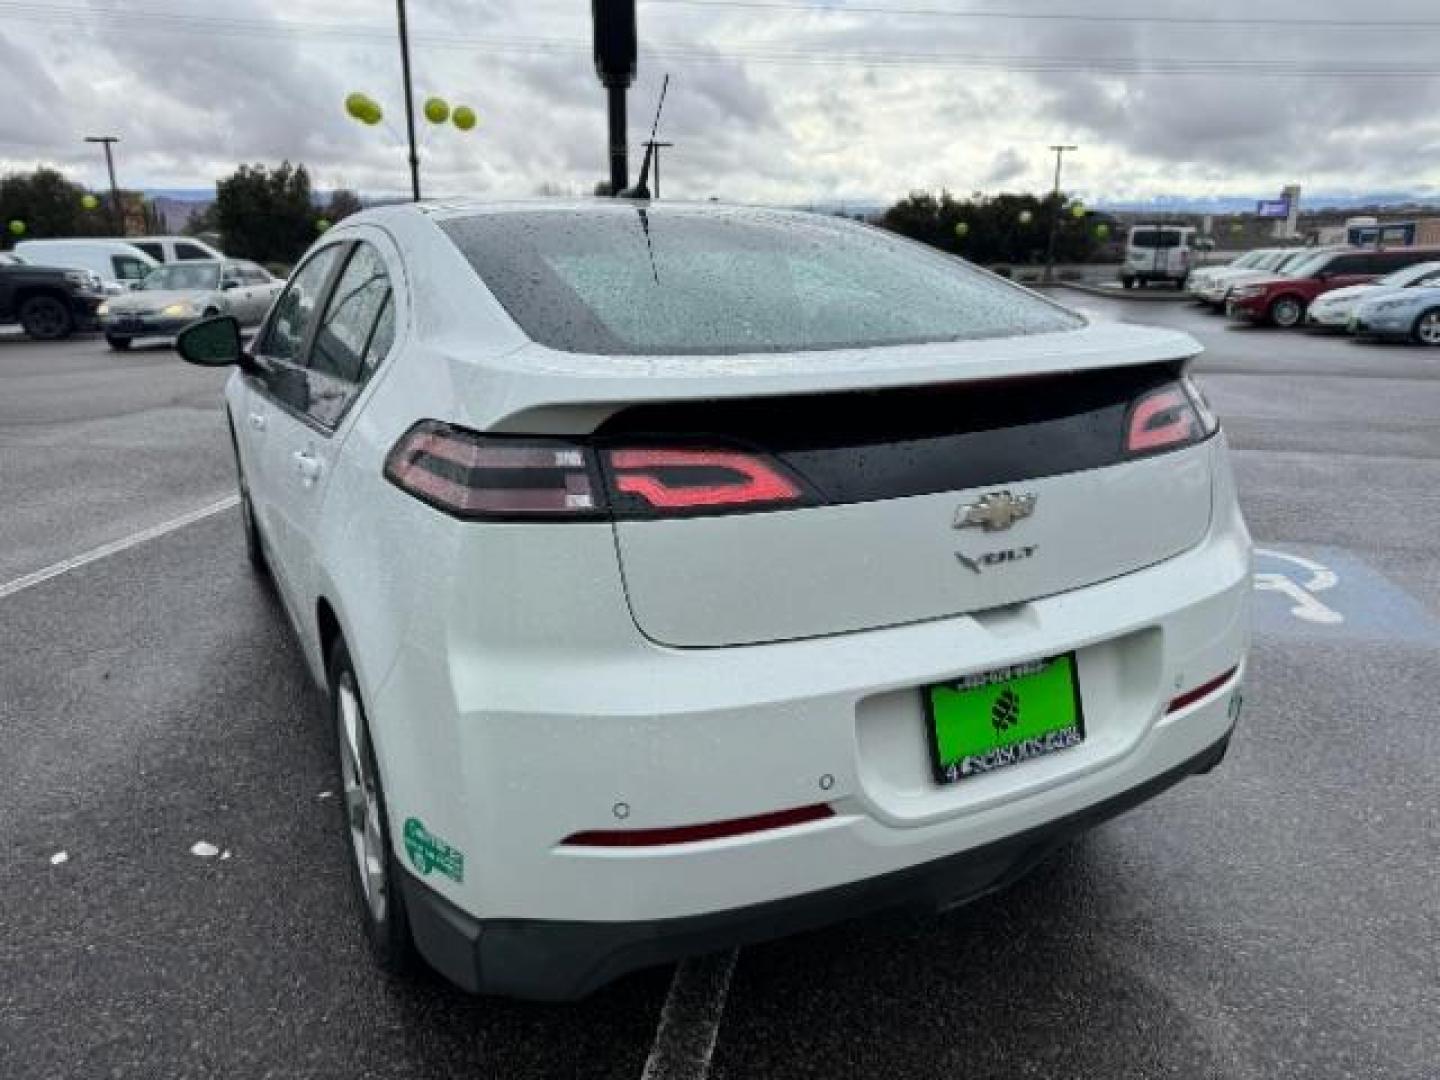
x=690, y=1019
x=10, y=588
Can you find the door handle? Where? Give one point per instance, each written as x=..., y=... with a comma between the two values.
x=307, y=465
x=257, y=421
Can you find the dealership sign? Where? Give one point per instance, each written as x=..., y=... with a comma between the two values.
x=1273, y=208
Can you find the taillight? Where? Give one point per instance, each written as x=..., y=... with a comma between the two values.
x=475, y=476
x=1164, y=419
x=650, y=479
x=511, y=478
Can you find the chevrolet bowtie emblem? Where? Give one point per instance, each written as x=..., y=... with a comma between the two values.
x=995, y=511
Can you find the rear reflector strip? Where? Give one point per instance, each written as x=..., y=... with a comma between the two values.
x=1202, y=691
x=689, y=834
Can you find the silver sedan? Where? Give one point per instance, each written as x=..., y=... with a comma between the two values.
x=173, y=296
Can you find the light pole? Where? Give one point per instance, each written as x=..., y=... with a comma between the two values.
x=116, y=211
x=1060, y=152
x=409, y=101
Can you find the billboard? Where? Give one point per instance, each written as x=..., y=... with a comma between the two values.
x=1272, y=208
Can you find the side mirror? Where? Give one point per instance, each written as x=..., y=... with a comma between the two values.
x=214, y=342
x=228, y=284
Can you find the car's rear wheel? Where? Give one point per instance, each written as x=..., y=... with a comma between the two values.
x=1127, y=281
x=1427, y=327
x=46, y=318
x=1287, y=311
x=375, y=873
x=119, y=344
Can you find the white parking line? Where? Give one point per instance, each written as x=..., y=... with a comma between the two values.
x=10, y=588
x=690, y=1019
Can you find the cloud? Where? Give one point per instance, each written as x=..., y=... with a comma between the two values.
x=781, y=106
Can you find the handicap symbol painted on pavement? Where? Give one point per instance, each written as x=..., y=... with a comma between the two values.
x=1329, y=593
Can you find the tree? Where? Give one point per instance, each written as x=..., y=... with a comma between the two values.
x=267, y=215
x=343, y=202
x=998, y=229
x=50, y=205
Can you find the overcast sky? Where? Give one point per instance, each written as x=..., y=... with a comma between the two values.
x=770, y=100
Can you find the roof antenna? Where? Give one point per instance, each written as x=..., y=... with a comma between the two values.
x=641, y=190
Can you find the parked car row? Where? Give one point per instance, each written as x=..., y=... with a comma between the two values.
x=1380, y=292
x=151, y=286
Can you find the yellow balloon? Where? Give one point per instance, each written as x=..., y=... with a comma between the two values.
x=1077, y=211
x=17, y=228
x=373, y=114
x=89, y=202
x=437, y=110
x=321, y=225
x=962, y=229
x=1102, y=230
x=464, y=117
x=357, y=105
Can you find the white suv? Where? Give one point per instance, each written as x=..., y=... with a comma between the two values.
x=687, y=575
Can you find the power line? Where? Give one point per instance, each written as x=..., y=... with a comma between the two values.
x=149, y=21
x=1298, y=22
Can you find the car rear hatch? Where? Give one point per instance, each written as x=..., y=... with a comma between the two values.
x=904, y=505
x=760, y=498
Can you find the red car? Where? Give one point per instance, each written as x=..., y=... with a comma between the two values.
x=1282, y=300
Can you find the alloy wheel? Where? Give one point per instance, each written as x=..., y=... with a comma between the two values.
x=1427, y=330
x=362, y=799
x=1286, y=312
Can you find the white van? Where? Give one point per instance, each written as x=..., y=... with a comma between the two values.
x=1158, y=253
x=170, y=249
x=118, y=264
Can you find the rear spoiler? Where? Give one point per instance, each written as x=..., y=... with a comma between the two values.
x=547, y=391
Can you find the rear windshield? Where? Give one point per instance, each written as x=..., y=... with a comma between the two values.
x=626, y=280
x=1155, y=238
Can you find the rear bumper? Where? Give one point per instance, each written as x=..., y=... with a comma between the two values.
x=561, y=960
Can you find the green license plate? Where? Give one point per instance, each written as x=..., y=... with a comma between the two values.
x=986, y=721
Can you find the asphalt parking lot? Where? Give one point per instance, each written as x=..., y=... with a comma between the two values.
x=1278, y=918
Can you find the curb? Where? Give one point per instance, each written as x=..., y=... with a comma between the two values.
x=1148, y=295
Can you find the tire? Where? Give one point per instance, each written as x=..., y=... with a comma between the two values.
x=1286, y=312
x=1127, y=282
x=119, y=344
x=1426, y=330
x=254, y=545
x=46, y=318
x=365, y=825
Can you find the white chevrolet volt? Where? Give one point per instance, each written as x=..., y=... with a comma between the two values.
x=682, y=576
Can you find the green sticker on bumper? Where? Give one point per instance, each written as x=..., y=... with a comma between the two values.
x=997, y=718
x=428, y=853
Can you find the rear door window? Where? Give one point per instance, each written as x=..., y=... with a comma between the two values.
x=340, y=359
x=154, y=250
x=1155, y=238
x=185, y=250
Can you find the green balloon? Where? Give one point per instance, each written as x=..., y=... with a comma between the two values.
x=1102, y=230
x=322, y=224
x=17, y=227
x=357, y=105
x=373, y=115
x=1077, y=211
x=89, y=202
x=463, y=117
x=1026, y=217
x=962, y=229
x=437, y=110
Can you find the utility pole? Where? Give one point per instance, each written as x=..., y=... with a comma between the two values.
x=615, y=56
x=1060, y=152
x=116, y=211
x=655, y=147
x=409, y=101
